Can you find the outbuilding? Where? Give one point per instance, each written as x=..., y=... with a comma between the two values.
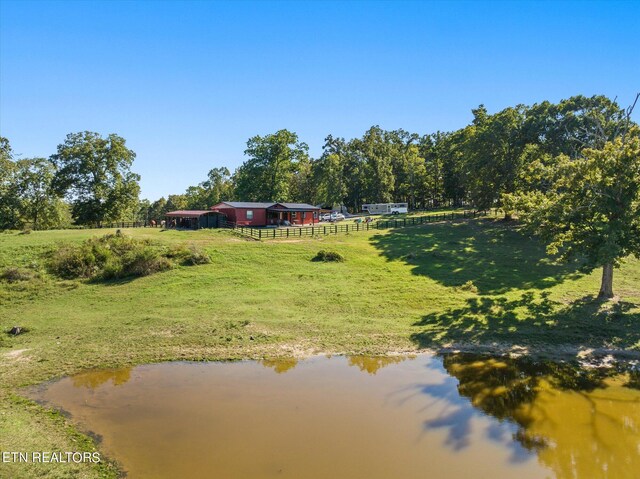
x=195, y=219
x=245, y=213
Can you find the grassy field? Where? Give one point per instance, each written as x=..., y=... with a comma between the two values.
x=476, y=283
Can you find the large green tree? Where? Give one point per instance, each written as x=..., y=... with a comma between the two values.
x=329, y=173
x=40, y=207
x=157, y=209
x=176, y=202
x=274, y=159
x=9, y=199
x=216, y=188
x=493, y=154
x=95, y=175
x=374, y=157
x=591, y=209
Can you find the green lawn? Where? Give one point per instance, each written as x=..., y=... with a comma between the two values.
x=476, y=282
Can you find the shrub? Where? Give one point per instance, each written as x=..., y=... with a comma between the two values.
x=189, y=255
x=71, y=262
x=26, y=231
x=13, y=275
x=328, y=256
x=117, y=256
x=143, y=263
x=469, y=286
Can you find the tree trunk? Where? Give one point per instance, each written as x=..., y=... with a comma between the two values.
x=606, y=287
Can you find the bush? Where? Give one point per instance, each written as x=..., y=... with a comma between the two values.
x=328, y=256
x=117, y=256
x=189, y=255
x=469, y=286
x=84, y=261
x=26, y=231
x=13, y=275
x=144, y=262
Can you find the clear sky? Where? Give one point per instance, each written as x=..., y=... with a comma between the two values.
x=187, y=83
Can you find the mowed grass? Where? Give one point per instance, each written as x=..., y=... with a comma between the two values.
x=472, y=282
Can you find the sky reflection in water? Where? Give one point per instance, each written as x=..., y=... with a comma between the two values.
x=419, y=416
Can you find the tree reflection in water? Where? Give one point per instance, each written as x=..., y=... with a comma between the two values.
x=280, y=365
x=371, y=364
x=581, y=423
x=93, y=379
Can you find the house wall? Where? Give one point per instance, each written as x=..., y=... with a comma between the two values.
x=304, y=218
x=228, y=211
x=259, y=217
x=239, y=215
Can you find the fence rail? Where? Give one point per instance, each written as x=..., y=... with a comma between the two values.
x=334, y=229
x=330, y=229
x=128, y=224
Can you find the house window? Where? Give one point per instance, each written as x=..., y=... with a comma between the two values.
x=315, y=215
x=304, y=214
x=249, y=214
x=294, y=214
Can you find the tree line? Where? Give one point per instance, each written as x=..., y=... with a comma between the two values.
x=570, y=171
x=496, y=155
x=88, y=181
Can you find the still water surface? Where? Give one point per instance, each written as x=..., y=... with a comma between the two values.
x=457, y=416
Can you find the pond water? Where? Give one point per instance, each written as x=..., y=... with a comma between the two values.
x=457, y=416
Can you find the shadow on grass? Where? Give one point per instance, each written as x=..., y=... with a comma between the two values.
x=491, y=254
x=532, y=319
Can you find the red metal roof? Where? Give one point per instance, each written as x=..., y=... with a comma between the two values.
x=189, y=213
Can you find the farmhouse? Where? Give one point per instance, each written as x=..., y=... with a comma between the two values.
x=244, y=213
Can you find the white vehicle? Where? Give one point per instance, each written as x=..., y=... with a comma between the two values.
x=326, y=217
x=336, y=217
x=386, y=208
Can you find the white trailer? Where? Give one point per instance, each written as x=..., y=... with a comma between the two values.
x=386, y=208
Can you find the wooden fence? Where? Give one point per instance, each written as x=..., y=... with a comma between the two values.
x=128, y=224
x=337, y=228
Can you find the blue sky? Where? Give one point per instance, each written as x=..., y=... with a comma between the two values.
x=187, y=83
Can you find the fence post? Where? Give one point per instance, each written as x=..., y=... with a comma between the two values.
x=259, y=234
x=313, y=229
x=325, y=230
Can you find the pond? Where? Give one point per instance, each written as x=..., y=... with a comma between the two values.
x=456, y=416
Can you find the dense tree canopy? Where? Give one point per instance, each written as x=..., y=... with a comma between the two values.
x=9, y=201
x=591, y=208
x=26, y=196
x=271, y=168
x=94, y=174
